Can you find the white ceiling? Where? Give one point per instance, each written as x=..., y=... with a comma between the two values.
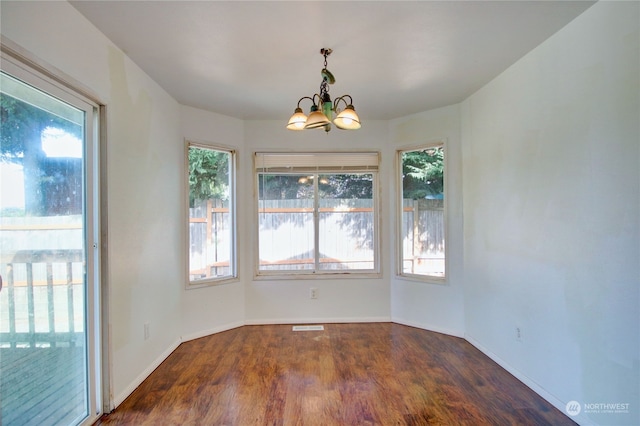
x=254, y=60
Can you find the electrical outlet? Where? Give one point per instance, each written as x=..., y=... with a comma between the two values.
x=313, y=293
x=146, y=331
x=519, y=333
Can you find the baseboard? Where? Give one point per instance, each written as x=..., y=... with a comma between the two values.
x=209, y=332
x=160, y=359
x=429, y=327
x=272, y=321
x=142, y=376
x=581, y=419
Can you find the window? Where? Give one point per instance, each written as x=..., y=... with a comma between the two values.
x=49, y=250
x=422, y=213
x=317, y=213
x=212, y=253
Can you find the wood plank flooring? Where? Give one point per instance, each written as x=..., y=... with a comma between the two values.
x=348, y=374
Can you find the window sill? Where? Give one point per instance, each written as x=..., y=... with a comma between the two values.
x=211, y=283
x=425, y=279
x=318, y=276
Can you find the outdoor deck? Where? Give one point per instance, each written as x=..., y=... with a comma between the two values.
x=42, y=386
x=42, y=350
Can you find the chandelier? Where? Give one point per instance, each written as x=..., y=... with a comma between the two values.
x=323, y=110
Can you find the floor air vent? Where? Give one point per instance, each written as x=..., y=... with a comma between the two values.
x=308, y=328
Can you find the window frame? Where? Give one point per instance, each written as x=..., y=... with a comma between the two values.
x=233, y=250
x=431, y=279
x=376, y=271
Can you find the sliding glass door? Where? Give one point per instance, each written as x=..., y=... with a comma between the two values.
x=49, y=249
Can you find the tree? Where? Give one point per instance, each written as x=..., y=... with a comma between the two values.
x=347, y=186
x=21, y=128
x=423, y=173
x=208, y=175
x=339, y=185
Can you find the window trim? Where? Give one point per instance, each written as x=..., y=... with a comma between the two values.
x=233, y=165
x=430, y=279
x=375, y=272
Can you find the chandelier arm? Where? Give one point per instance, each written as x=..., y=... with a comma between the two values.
x=336, y=102
x=315, y=95
x=305, y=97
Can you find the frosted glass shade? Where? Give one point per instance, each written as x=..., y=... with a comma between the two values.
x=347, y=119
x=316, y=119
x=297, y=120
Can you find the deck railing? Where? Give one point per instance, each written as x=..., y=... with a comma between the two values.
x=41, y=300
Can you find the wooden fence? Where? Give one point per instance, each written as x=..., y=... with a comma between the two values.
x=210, y=234
x=346, y=236
x=41, y=301
x=423, y=240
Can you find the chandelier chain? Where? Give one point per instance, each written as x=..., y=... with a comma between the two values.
x=325, y=51
x=324, y=86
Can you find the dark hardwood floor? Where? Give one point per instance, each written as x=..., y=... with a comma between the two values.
x=348, y=374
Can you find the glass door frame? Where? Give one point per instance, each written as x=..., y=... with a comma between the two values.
x=40, y=77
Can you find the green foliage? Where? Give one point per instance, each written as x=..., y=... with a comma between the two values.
x=208, y=174
x=48, y=185
x=346, y=186
x=422, y=177
x=284, y=187
x=423, y=173
x=21, y=127
x=337, y=186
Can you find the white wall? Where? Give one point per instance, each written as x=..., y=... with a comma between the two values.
x=250, y=301
x=551, y=221
x=433, y=306
x=144, y=181
x=208, y=310
x=287, y=301
x=550, y=153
